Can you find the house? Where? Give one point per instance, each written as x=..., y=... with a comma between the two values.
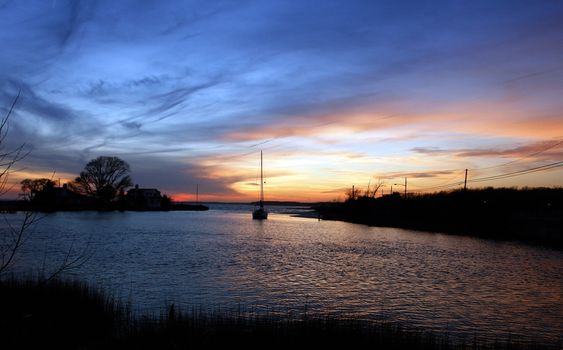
x=143, y=198
x=60, y=198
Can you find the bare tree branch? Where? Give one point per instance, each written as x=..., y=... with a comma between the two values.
x=12, y=239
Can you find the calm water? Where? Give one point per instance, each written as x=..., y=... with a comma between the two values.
x=223, y=259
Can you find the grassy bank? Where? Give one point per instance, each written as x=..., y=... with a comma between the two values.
x=72, y=315
x=532, y=215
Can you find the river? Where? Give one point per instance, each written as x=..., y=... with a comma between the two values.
x=222, y=259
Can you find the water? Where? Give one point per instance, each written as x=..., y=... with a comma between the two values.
x=223, y=259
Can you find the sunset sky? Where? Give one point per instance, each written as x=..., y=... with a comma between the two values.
x=335, y=93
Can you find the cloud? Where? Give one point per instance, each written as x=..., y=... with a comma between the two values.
x=78, y=12
x=132, y=125
x=101, y=88
x=167, y=101
x=32, y=103
x=43, y=124
x=186, y=85
x=549, y=149
x=422, y=174
x=179, y=177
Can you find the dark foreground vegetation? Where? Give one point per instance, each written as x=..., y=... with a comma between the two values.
x=72, y=315
x=533, y=215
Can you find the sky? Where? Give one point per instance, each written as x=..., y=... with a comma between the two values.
x=335, y=93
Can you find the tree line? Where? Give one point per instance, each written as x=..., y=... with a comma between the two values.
x=533, y=215
x=103, y=178
x=101, y=185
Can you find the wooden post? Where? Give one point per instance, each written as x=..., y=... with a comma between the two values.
x=465, y=182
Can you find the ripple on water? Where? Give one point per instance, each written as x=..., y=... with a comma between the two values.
x=222, y=258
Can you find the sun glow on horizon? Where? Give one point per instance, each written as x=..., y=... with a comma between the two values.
x=332, y=102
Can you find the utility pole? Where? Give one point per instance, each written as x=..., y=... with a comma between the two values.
x=465, y=182
x=405, y=188
x=261, y=181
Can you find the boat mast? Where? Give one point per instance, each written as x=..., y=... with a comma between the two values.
x=261, y=182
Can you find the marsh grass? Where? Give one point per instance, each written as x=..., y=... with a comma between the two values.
x=64, y=314
x=73, y=315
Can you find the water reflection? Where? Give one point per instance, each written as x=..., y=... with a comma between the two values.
x=222, y=258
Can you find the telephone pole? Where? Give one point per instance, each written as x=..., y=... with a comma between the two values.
x=405, y=195
x=465, y=182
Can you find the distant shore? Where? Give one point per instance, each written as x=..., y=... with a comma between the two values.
x=10, y=206
x=532, y=216
x=13, y=206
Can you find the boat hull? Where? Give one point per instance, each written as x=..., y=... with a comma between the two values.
x=260, y=214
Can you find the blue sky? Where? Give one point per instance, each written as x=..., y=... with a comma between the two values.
x=335, y=92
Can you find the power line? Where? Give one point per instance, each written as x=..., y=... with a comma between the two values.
x=443, y=184
x=498, y=176
x=443, y=187
x=446, y=184
x=558, y=143
x=520, y=172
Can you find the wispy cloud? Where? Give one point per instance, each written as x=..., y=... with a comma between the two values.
x=198, y=87
x=550, y=149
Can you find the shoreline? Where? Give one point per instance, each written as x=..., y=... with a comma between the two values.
x=531, y=216
x=546, y=243
x=21, y=206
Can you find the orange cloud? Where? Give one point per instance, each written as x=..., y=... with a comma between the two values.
x=552, y=149
x=502, y=117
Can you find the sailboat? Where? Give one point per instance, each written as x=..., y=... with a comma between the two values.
x=260, y=213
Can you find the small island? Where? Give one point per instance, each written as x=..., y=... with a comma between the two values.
x=103, y=185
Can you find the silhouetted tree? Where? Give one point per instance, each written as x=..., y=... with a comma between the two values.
x=103, y=178
x=11, y=241
x=165, y=202
x=352, y=194
x=30, y=187
x=8, y=158
x=355, y=193
x=371, y=190
x=13, y=236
